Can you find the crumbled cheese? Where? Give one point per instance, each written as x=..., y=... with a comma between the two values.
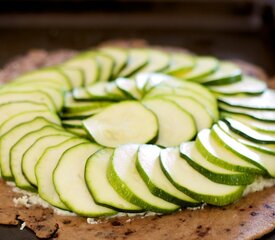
x=23, y=225
x=259, y=184
x=92, y=221
x=11, y=184
x=197, y=208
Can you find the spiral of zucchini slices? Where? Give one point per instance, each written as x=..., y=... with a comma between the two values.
x=136, y=129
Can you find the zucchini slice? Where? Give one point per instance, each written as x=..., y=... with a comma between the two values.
x=88, y=64
x=119, y=55
x=137, y=58
x=180, y=63
x=149, y=168
x=265, y=101
x=129, y=88
x=248, y=85
x=219, y=155
x=175, y=124
x=96, y=180
x=125, y=179
x=105, y=64
x=249, y=133
x=20, y=147
x=69, y=181
x=227, y=72
x=194, y=184
x=35, y=151
x=125, y=122
x=11, y=137
x=75, y=75
x=204, y=67
x=210, y=170
x=81, y=94
x=45, y=167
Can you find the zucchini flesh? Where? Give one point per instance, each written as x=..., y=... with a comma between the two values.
x=172, y=130
x=69, y=181
x=121, y=123
x=105, y=64
x=75, y=75
x=180, y=63
x=96, y=180
x=125, y=179
x=182, y=175
x=44, y=171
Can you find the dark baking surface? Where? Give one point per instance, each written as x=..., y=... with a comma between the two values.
x=226, y=29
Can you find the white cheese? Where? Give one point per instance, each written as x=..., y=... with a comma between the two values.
x=259, y=184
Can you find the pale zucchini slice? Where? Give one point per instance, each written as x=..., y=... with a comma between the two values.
x=11, y=137
x=119, y=55
x=88, y=64
x=227, y=72
x=50, y=74
x=249, y=133
x=149, y=168
x=112, y=89
x=105, y=64
x=75, y=75
x=69, y=182
x=26, y=117
x=243, y=151
x=180, y=63
x=36, y=95
x=45, y=167
x=202, y=117
x=129, y=88
x=219, y=155
x=265, y=101
x=158, y=61
x=210, y=170
x=258, y=114
x=35, y=151
x=125, y=179
x=137, y=58
x=248, y=85
x=194, y=184
x=99, y=186
x=97, y=91
x=80, y=132
x=175, y=124
x=122, y=123
x=81, y=94
x=19, y=148
x=261, y=126
x=73, y=123
x=204, y=67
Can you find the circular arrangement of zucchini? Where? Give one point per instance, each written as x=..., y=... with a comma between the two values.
x=131, y=130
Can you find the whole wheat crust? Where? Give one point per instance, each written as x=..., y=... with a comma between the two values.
x=251, y=217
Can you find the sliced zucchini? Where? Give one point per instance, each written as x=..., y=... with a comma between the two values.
x=219, y=155
x=75, y=75
x=80, y=132
x=88, y=64
x=44, y=171
x=261, y=115
x=73, y=123
x=119, y=55
x=202, y=117
x=96, y=180
x=204, y=67
x=113, y=91
x=26, y=117
x=265, y=101
x=227, y=72
x=148, y=166
x=105, y=64
x=248, y=85
x=260, y=126
x=241, y=150
x=158, y=61
x=249, y=133
x=35, y=151
x=81, y=94
x=11, y=137
x=8, y=110
x=210, y=170
x=175, y=124
x=137, y=58
x=129, y=88
x=51, y=74
x=98, y=92
x=125, y=179
x=180, y=63
x=69, y=182
x=19, y=148
x=122, y=123
x=194, y=184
